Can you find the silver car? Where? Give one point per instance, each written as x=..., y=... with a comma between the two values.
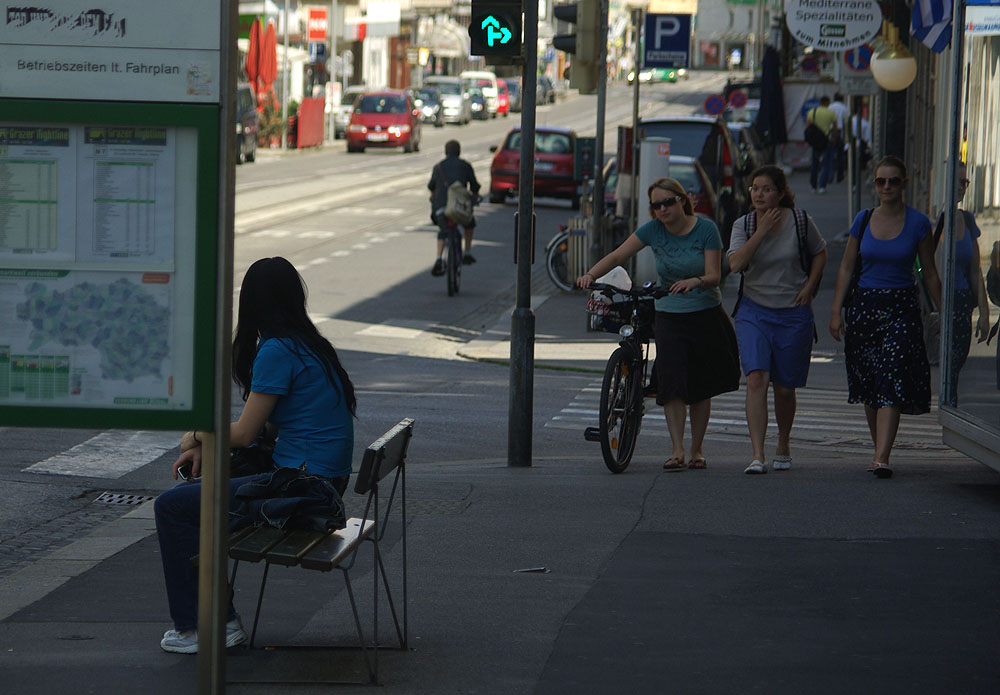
x=342, y=113
x=454, y=98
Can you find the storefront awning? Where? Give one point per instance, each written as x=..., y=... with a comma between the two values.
x=444, y=38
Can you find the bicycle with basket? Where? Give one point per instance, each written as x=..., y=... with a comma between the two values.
x=629, y=313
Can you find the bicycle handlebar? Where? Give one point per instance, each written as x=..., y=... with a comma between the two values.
x=648, y=290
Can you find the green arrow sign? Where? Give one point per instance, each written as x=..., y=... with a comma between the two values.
x=494, y=31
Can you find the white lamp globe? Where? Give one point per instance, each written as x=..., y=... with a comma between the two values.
x=894, y=68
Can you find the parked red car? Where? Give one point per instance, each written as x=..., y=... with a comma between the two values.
x=553, y=165
x=386, y=118
x=503, y=99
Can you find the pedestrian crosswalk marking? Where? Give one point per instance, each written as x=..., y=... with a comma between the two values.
x=110, y=454
x=824, y=415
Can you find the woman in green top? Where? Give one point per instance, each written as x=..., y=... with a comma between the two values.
x=696, y=354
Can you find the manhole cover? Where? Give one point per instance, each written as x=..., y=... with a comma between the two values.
x=122, y=498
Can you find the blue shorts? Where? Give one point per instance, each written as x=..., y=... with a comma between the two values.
x=778, y=341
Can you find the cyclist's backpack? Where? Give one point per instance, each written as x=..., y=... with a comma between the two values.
x=459, y=205
x=801, y=234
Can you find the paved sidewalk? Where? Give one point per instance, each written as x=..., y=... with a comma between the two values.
x=816, y=580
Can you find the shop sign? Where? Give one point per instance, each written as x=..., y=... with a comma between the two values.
x=982, y=20
x=833, y=25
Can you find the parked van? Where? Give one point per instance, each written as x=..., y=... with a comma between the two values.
x=486, y=81
x=246, y=123
x=454, y=97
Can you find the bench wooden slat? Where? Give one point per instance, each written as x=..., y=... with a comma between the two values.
x=292, y=547
x=328, y=553
x=252, y=547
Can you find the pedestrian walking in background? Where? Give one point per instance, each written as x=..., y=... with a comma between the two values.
x=696, y=353
x=292, y=378
x=839, y=140
x=781, y=255
x=446, y=172
x=970, y=289
x=887, y=367
x=861, y=131
x=825, y=120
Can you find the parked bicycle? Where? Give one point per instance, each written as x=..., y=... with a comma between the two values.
x=630, y=314
x=557, y=259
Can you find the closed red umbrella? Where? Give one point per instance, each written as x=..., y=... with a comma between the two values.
x=268, y=58
x=253, y=55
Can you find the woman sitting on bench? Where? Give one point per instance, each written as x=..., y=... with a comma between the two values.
x=290, y=376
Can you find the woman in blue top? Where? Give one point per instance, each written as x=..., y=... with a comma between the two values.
x=696, y=354
x=887, y=367
x=292, y=378
x=970, y=290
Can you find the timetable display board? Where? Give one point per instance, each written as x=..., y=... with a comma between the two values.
x=99, y=263
x=110, y=151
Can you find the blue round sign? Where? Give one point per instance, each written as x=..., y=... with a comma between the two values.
x=715, y=104
x=859, y=59
x=738, y=99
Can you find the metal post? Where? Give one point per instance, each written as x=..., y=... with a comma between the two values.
x=213, y=589
x=522, y=321
x=602, y=99
x=284, y=84
x=332, y=53
x=955, y=160
x=633, y=212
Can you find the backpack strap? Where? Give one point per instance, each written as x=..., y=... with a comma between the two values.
x=749, y=227
x=801, y=233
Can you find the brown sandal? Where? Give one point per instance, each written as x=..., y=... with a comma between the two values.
x=699, y=462
x=673, y=464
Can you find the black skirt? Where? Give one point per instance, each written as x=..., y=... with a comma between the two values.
x=884, y=350
x=696, y=355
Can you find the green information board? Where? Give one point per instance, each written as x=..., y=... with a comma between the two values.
x=109, y=216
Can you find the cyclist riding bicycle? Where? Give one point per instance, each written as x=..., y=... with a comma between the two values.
x=446, y=172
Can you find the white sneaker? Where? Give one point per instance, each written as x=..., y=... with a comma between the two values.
x=756, y=466
x=781, y=462
x=821, y=191
x=187, y=642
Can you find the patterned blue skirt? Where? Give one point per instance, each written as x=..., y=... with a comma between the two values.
x=885, y=353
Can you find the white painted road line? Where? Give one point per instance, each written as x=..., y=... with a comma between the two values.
x=110, y=454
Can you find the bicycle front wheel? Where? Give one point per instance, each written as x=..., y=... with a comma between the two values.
x=557, y=262
x=621, y=409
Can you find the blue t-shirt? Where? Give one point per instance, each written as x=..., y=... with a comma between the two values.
x=315, y=426
x=888, y=263
x=963, y=252
x=682, y=257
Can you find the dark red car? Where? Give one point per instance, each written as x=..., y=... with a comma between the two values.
x=553, y=165
x=386, y=118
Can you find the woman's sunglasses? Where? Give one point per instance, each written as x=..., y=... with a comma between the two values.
x=664, y=203
x=893, y=181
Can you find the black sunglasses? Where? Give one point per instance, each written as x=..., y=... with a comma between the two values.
x=891, y=181
x=664, y=203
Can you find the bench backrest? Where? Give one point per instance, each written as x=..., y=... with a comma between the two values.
x=383, y=456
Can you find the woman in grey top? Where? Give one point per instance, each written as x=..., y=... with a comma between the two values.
x=781, y=255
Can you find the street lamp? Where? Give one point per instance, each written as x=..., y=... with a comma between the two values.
x=893, y=66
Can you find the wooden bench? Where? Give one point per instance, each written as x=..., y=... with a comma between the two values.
x=325, y=552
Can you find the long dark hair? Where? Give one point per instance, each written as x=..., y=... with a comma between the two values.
x=273, y=305
x=780, y=182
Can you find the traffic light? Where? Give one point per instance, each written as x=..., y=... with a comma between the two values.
x=584, y=45
x=495, y=28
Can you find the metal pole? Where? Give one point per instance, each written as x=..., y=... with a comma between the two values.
x=213, y=589
x=522, y=321
x=284, y=84
x=633, y=212
x=955, y=160
x=332, y=54
x=596, y=226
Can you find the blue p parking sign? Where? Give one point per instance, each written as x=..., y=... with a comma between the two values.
x=668, y=41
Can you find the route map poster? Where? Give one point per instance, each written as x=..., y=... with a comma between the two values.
x=89, y=284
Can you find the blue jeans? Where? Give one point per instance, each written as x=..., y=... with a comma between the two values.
x=178, y=527
x=822, y=164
